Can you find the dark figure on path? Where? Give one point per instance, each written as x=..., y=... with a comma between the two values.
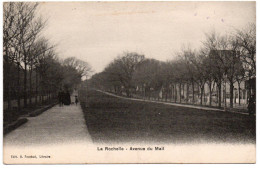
x=61, y=97
x=67, y=100
x=76, y=100
x=251, y=105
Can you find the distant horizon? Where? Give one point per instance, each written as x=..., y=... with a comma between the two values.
x=97, y=32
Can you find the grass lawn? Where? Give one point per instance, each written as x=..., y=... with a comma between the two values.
x=114, y=120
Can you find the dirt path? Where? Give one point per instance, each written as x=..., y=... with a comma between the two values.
x=58, y=132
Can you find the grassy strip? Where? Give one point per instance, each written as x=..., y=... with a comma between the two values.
x=111, y=119
x=40, y=111
x=14, y=125
x=20, y=121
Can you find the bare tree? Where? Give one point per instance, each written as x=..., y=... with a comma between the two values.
x=216, y=46
x=209, y=75
x=247, y=41
x=233, y=65
x=81, y=66
x=201, y=72
x=38, y=50
x=29, y=27
x=188, y=56
x=147, y=75
x=10, y=32
x=123, y=68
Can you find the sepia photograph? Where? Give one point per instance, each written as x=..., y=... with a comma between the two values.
x=129, y=82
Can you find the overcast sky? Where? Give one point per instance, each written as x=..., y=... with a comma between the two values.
x=97, y=32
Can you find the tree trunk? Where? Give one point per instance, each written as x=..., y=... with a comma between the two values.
x=235, y=97
x=30, y=86
x=7, y=78
x=127, y=91
x=239, y=97
x=143, y=91
x=183, y=88
x=36, y=87
x=172, y=93
x=42, y=90
x=149, y=93
x=219, y=95
x=224, y=95
x=231, y=94
x=210, y=94
x=166, y=95
x=40, y=97
x=192, y=92
x=18, y=87
x=204, y=95
x=187, y=94
x=175, y=95
x=201, y=94
x=180, y=91
x=9, y=101
x=25, y=85
x=49, y=96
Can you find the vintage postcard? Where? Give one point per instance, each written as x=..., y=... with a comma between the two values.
x=129, y=82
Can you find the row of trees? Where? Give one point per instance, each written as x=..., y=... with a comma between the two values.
x=222, y=59
x=32, y=68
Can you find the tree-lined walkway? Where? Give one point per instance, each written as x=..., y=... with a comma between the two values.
x=57, y=125
x=170, y=103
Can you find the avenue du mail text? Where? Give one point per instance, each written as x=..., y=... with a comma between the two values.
x=130, y=148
